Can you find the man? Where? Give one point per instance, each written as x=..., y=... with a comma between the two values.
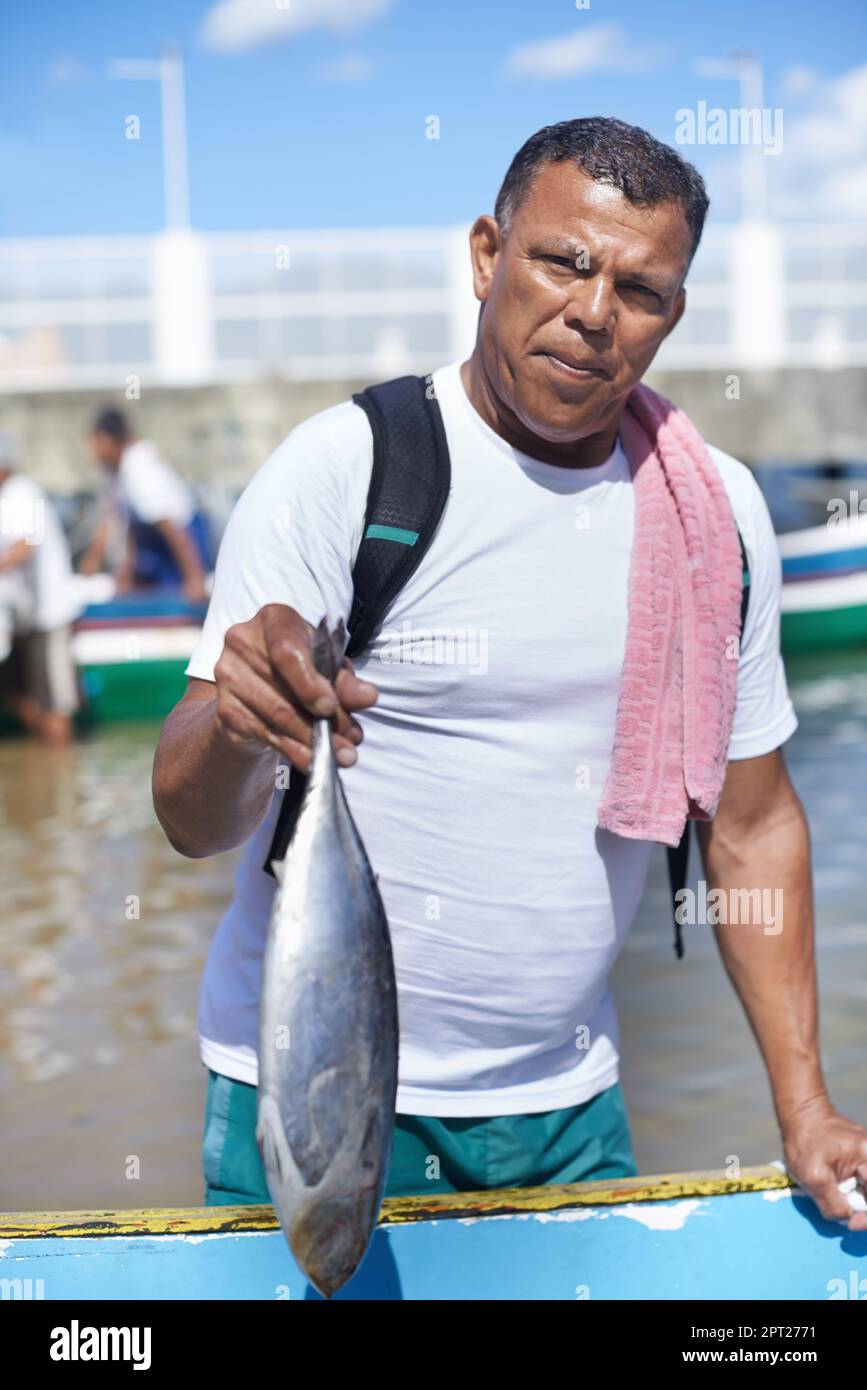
x=507, y=902
x=164, y=538
x=37, y=607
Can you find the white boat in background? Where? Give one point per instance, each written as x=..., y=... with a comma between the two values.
x=837, y=548
x=825, y=585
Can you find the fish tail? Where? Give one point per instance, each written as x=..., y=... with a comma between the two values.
x=328, y=648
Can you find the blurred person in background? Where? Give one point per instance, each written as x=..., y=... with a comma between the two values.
x=37, y=607
x=165, y=537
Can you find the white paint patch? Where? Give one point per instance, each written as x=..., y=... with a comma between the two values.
x=222, y=1235
x=574, y=1214
x=662, y=1216
x=568, y=1214
x=495, y=1216
x=656, y=1216
x=7, y=1246
x=191, y=1239
x=774, y=1194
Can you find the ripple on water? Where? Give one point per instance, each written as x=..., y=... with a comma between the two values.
x=105, y=913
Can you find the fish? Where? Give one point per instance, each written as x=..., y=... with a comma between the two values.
x=328, y=1025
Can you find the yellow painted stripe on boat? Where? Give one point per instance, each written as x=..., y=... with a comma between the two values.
x=396, y=1210
x=155, y=1221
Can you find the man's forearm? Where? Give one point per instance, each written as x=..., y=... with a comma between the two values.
x=209, y=794
x=125, y=571
x=183, y=550
x=17, y=555
x=92, y=559
x=771, y=962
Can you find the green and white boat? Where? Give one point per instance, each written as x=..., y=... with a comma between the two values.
x=131, y=653
x=824, y=603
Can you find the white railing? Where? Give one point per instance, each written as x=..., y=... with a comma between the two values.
x=187, y=308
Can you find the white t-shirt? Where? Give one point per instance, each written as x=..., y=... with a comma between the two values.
x=147, y=488
x=40, y=594
x=479, y=777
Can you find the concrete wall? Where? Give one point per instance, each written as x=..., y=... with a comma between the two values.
x=218, y=434
x=806, y=415
x=221, y=434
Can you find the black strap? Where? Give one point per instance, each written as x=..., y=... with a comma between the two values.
x=409, y=485
x=678, y=856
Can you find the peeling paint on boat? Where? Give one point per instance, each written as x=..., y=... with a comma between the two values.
x=657, y=1216
x=211, y=1235
x=582, y=1214
x=495, y=1216
x=662, y=1217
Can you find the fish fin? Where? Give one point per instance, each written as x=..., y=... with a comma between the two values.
x=281, y=1171
x=328, y=648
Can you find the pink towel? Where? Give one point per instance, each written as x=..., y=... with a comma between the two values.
x=677, y=698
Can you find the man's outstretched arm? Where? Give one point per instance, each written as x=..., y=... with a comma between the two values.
x=217, y=756
x=758, y=844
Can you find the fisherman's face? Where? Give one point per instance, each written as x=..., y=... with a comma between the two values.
x=106, y=449
x=576, y=300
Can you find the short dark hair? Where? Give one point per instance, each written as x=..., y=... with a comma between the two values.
x=646, y=171
x=112, y=422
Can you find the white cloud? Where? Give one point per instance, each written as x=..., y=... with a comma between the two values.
x=232, y=25
x=823, y=168
x=798, y=81
x=66, y=72
x=604, y=48
x=821, y=172
x=352, y=67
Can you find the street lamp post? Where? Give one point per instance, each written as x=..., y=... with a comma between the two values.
x=180, y=283
x=168, y=70
x=746, y=70
x=758, y=299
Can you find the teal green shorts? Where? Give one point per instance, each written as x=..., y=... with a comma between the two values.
x=578, y=1144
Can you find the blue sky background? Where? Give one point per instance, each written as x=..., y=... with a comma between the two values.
x=324, y=126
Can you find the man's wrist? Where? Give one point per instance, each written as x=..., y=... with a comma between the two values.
x=249, y=752
x=795, y=1110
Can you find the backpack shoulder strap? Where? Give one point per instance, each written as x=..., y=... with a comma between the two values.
x=745, y=590
x=409, y=485
x=678, y=855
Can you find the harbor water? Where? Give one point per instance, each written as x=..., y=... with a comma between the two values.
x=105, y=931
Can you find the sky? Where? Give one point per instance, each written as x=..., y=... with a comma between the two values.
x=318, y=113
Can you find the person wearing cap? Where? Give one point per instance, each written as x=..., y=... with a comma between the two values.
x=37, y=606
x=164, y=537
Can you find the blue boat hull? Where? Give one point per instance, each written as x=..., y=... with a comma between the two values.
x=756, y=1238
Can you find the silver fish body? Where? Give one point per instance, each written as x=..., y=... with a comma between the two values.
x=328, y=1030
